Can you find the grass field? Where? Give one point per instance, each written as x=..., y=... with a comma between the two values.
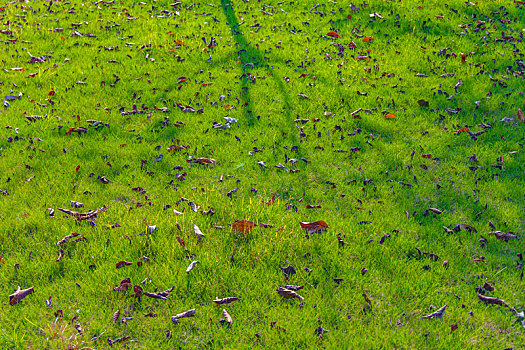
x=374, y=149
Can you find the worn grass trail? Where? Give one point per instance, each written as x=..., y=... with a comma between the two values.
x=397, y=125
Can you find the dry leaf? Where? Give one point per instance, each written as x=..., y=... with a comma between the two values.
x=191, y=266
x=439, y=313
x=227, y=317
x=123, y=263
x=20, y=294
x=312, y=227
x=198, y=232
x=521, y=116
x=461, y=130
x=333, y=34
x=503, y=236
x=160, y=295
x=367, y=39
x=115, y=316
x=243, y=226
x=289, y=294
x=390, y=116
x=225, y=300
x=190, y=313
x=490, y=300
x=124, y=284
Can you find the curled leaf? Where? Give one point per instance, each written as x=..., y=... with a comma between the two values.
x=288, y=294
x=190, y=313
x=333, y=34
x=20, y=294
x=503, y=236
x=192, y=266
x=123, y=263
x=225, y=300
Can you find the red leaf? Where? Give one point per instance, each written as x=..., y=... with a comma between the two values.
x=333, y=34
x=78, y=168
x=51, y=93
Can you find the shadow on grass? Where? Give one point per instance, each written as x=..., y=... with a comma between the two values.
x=250, y=58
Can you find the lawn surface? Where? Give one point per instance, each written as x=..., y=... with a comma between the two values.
x=136, y=135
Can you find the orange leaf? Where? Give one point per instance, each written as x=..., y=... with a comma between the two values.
x=271, y=201
x=2, y=261
x=361, y=57
x=2, y=9
x=463, y=58
x=243, y=226
x=314, y=226
x=18, y=69
x=520, y=115
x=390, y=116
x=62, y=38
x=178, y=42
x=333, y=34
x=367, y=39
x=462, y=130
x=32, y=75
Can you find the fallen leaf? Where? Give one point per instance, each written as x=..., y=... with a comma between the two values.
x=439, y=313
x=225, y=300
x=521, y=116
x=459, y=131
x=198, y=232
x=503, y=236
x=20, y=294
x=333, y=34
x=160, y=295
x=123, y=263
x=227, y=317
x=289, y=294
x=243, y=226
x=190, y=313
x=191, y=266
x=116, y=316
x=490, y=300
x=390, y=116
x=367, y=39
x=124, y=284
x=312, y=227
x=453, y=327
x=459, y=227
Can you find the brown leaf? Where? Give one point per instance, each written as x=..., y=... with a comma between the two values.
x=123, y=263
x=173, y=148
x=434, y=210
x=271, y=201
x=490, y=300
x=316, y=206
x=160, y=295
x=124, y=284
x=289, y=294
x=312, y=227
x=422, y=103
x=459, y=227
x=503, y=236
x=453, y=327
x=521, y=116
x=243, y=226
x=20, y=294
x=225, y=300
x=138, y=291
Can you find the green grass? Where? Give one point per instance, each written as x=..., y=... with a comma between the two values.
x=256, y=75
